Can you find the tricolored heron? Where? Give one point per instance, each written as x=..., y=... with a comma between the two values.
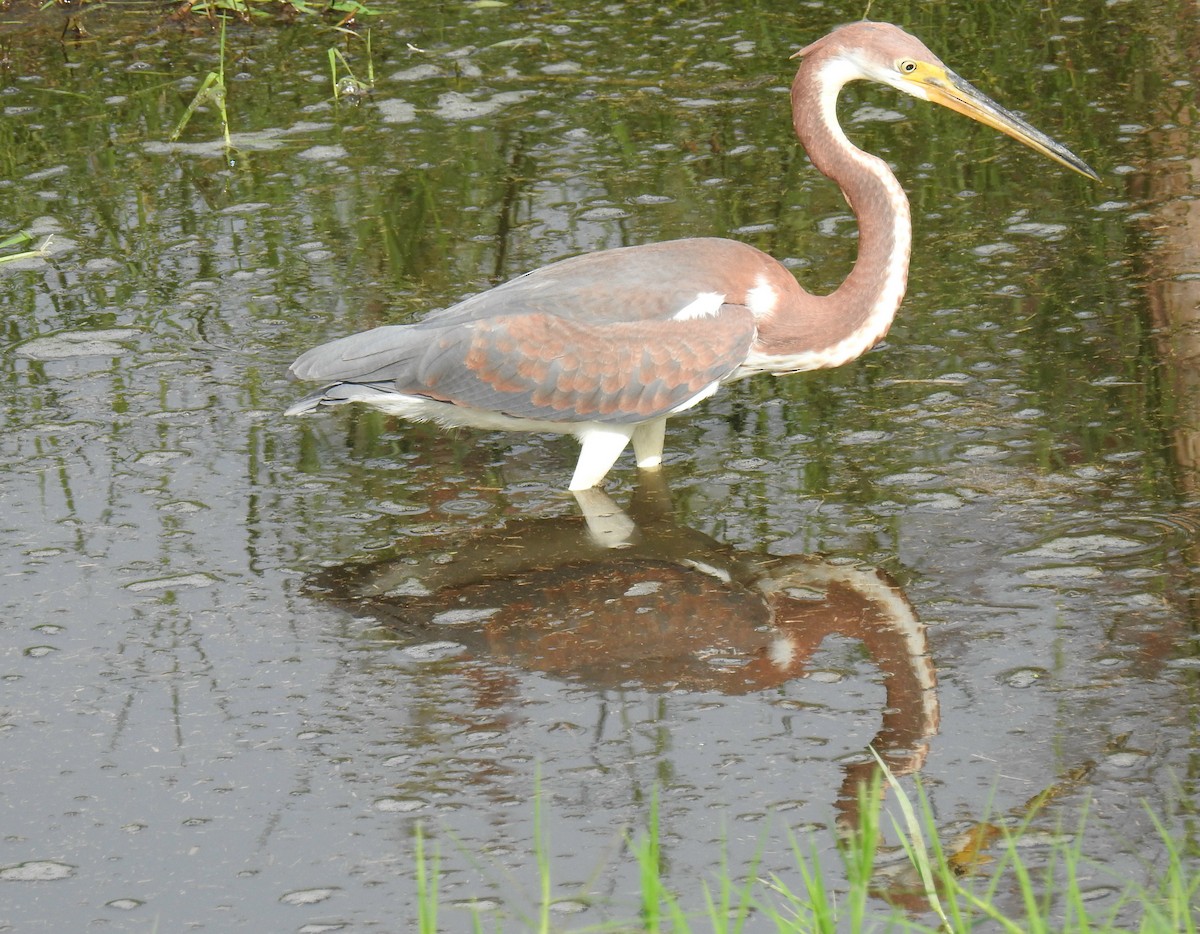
x=606, y=346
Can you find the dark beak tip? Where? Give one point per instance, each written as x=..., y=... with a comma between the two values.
x=1084, y=169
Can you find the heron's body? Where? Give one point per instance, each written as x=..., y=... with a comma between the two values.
x=606, y=346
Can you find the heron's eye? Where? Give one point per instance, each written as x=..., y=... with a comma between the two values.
x=907, y=66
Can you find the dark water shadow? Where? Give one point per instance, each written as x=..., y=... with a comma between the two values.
x=613, y=598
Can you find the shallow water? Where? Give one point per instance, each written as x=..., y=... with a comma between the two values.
x=243, y=657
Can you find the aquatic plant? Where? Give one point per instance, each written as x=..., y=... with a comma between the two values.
x=346, y=12
x=960, y=895
x=211, y=91
x=349, y=85
x=22, y=238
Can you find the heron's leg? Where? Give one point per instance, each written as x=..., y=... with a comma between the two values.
x=602, y=445
x=608, y=525
x=648, y=443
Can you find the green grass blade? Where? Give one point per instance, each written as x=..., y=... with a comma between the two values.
x=427, y=887
x=914, y=840
x=542, y=855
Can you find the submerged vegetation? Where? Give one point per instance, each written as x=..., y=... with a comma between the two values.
x=953, y=890
x=346, y=12
x=22, y=241
x=342, y=12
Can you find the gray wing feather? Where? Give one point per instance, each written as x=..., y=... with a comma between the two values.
x=385, y=353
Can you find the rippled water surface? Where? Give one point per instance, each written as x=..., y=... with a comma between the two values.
x=241, y=658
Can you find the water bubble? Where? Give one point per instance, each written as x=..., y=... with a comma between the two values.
x=308, y=896
x=431, y=651
x=464, y=617
x=871, y=114
x=993, y=249
x=1048, y=232
x=418, y=73
x=37, y=870
x=110, y=342
x=456, y=106
x=1023, y=677
x=1069, y=572
x=604, y=214
x=476, y=904
x=1125, y=760
x=399, y=805
x=323, y=153
x=177, y=582
x=1076, y=547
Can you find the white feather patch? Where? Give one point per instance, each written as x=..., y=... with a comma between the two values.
x=762, y=299
x=704, y=305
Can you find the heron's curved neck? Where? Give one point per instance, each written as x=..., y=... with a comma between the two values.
x=855, y=316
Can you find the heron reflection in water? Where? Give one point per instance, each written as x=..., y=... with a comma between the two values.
x=615, y=599
x=608, y=345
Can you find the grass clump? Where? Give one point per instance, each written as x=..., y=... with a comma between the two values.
x=349, y=84
x=211, y=91
x=346, y=12
x=343, y=13
x=953, y=895
x=213, y=88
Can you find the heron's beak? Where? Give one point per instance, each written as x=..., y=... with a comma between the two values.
x=944, y=87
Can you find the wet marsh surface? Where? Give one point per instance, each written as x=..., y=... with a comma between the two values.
x=241, y=657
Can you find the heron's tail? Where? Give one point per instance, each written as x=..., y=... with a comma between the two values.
x=338, y=394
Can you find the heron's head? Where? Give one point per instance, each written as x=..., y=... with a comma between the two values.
x=888, y=55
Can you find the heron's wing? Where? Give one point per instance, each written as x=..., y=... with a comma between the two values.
x=546, y=367
x=650, y=282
